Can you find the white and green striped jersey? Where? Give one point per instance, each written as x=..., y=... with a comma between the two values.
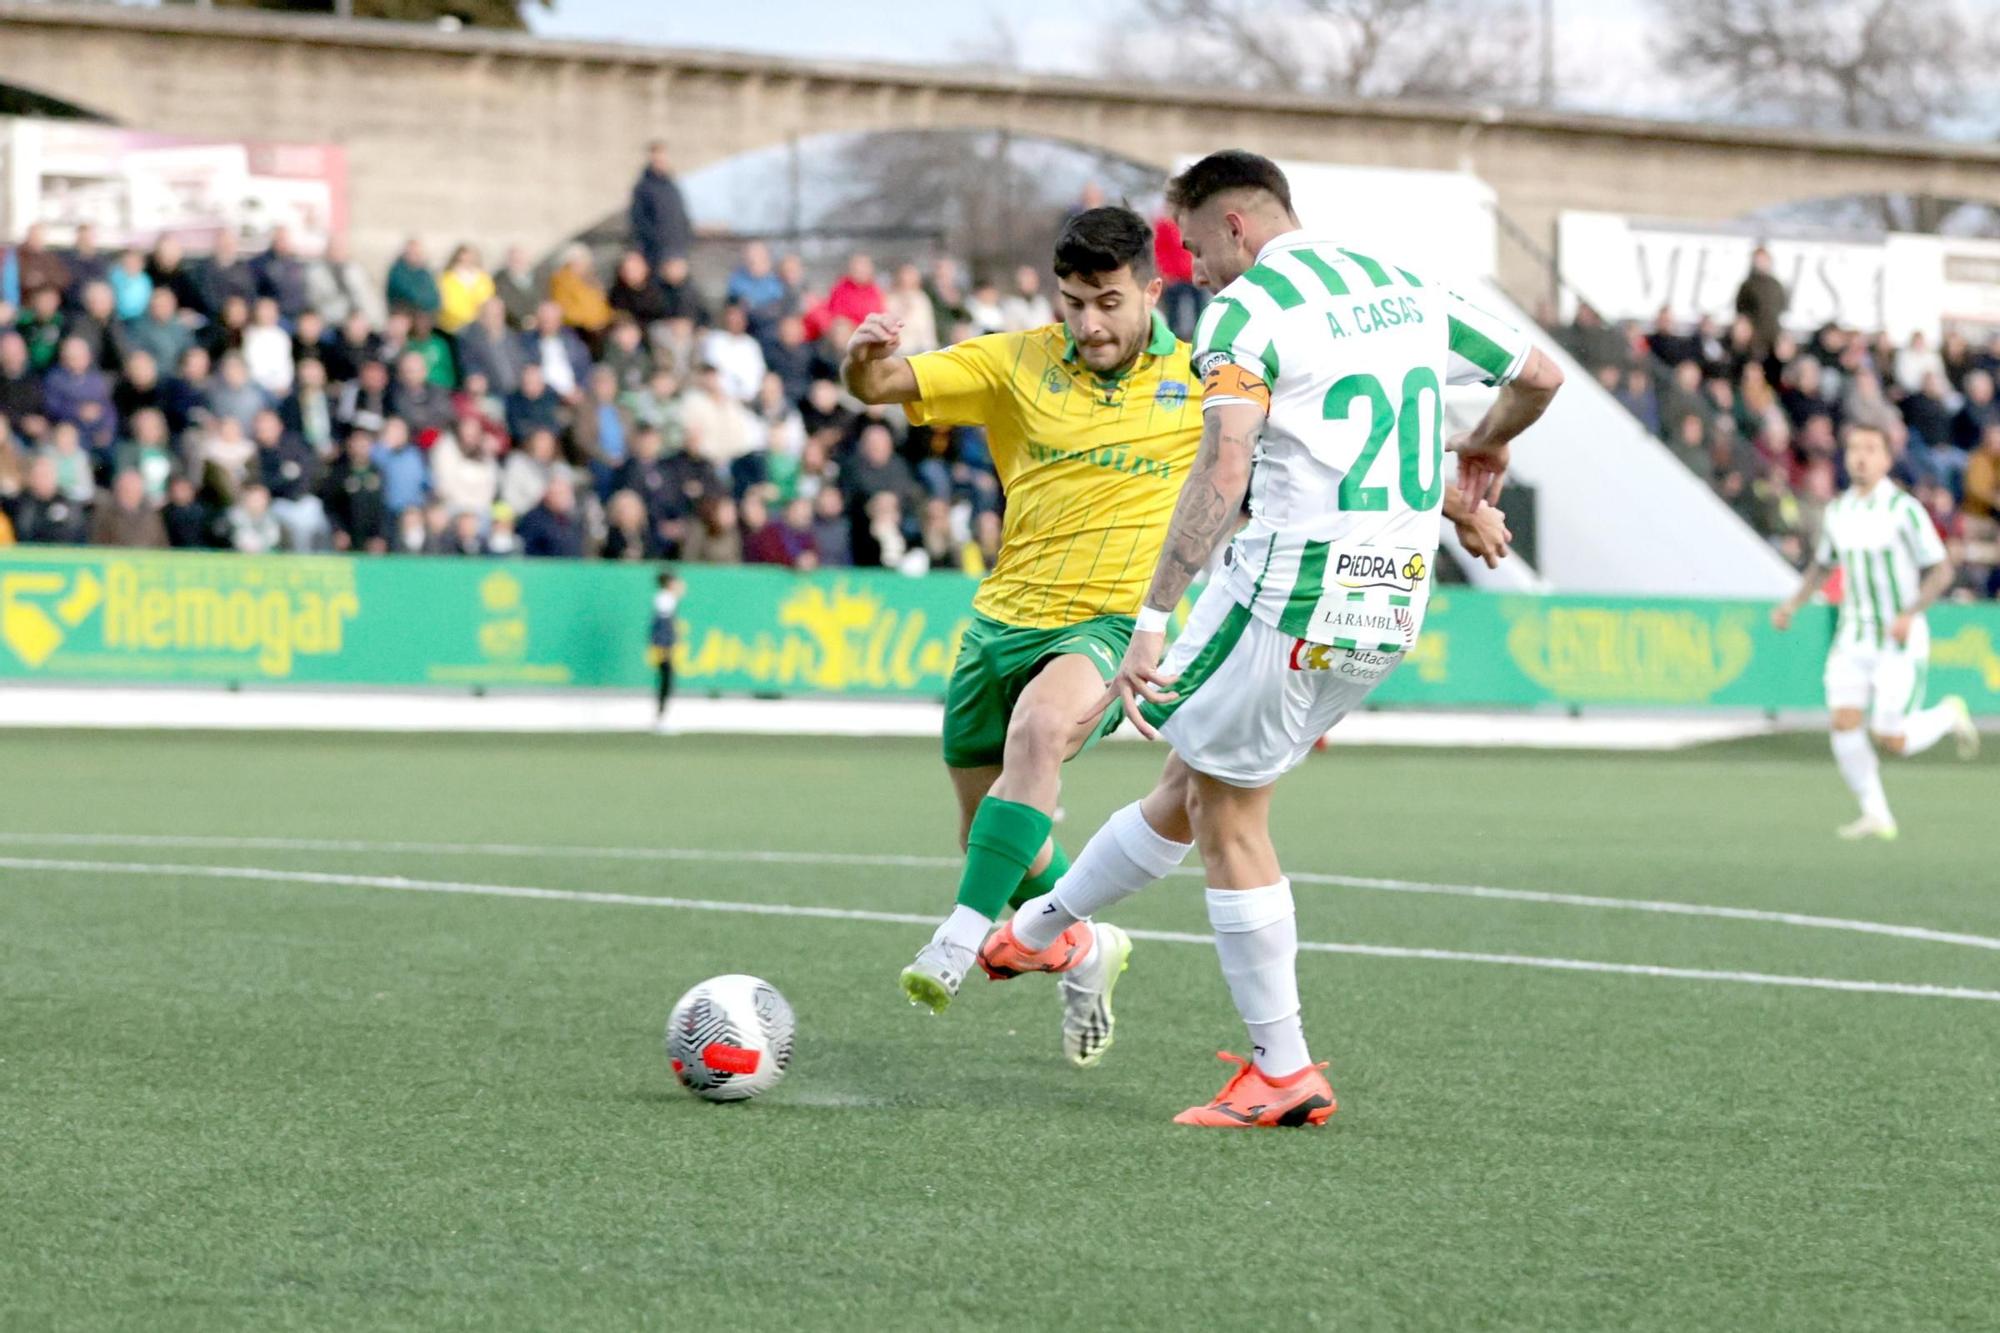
x=1883, y=542
x=1349, y=479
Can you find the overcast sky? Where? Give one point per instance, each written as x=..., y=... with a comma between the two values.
x=928, y=30
x=1601, y=44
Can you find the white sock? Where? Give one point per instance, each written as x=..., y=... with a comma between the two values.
x=963, y=929
x=1924, y=729
x=1120, y=859
x=1257, y=940
x=1855, y=754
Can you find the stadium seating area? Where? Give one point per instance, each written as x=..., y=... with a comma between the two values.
x=278, y=402
x=1760, y=419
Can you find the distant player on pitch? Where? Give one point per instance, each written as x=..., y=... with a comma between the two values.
x=1327, y=367
x=1893, y=567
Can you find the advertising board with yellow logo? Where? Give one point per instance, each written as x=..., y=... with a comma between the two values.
x=185, y=618
x=170, y=617
x=1479, y=649
x=136, y=617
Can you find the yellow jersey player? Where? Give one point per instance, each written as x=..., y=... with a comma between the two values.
x=1093, y=423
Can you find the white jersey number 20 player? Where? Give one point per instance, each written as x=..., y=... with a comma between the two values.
x=1323, y=375
x=1324, y=590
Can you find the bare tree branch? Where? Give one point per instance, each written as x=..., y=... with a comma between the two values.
x=994, y=201
x=477, y=13
x=1450, y=50
x=996, y=45
x=1882, y=65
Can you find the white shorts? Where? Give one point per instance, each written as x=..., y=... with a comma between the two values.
x=1885, y=683
x=1253, y=699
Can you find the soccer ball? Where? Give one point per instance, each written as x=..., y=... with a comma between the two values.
x=730, y=1038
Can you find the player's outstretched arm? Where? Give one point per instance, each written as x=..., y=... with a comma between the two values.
x=872, y=370
x=1483, y=451
x=1809, y=585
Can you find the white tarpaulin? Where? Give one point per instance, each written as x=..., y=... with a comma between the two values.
x=133, y=188
x=1629, y=268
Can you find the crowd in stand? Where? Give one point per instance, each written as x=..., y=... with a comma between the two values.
x=282, y=402
x=1758, y=412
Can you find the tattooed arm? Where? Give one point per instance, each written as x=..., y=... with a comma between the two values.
x=1809, y=584
x=1936, y=583
x=1211, y=500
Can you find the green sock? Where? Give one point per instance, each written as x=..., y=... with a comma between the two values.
x=1003, y=842
x=1034, y=886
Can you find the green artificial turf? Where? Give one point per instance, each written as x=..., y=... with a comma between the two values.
x=234, y=1103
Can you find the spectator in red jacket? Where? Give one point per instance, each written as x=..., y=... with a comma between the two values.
x=855, y=297
x=1181, y=301
x=40, y=268
x=766, y=542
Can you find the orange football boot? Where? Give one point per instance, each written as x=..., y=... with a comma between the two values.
x=1003, y=956
x=1249, y=1100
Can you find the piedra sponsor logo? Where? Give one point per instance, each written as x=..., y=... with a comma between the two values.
x=1397, y=570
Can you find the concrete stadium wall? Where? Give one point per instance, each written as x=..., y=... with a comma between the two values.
x=504, y=137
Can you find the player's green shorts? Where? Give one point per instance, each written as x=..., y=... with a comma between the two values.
x=996, y=662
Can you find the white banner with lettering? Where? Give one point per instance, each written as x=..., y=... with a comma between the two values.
x=134, y=187
x=1630, y=269
x=1904, y=284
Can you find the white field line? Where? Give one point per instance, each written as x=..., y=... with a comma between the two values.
x=899, y=861
x=398, y=882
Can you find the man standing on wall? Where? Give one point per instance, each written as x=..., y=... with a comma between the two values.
x=659, y=217
x=1762, y=300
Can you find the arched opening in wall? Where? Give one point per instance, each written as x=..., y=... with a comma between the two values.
x=985, y=198
x=1869, y=214
x=18, y=101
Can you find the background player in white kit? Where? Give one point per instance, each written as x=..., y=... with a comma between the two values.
x=1329, y=366
x=1893, y=567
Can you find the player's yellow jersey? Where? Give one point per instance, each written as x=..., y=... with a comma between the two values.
x=1091, y=467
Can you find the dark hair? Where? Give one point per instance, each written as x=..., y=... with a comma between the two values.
x=1230, y=169
x=1099, y=241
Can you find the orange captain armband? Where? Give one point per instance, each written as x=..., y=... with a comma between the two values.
x=1229, y=380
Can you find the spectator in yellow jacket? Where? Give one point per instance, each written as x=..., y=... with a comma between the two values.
x=575, y=288
x=463, y=287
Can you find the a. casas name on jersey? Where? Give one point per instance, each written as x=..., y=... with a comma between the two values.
x=1378, y=315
